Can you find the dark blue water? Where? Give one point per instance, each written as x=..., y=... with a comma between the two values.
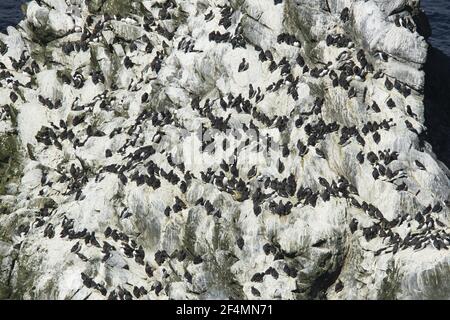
x=10, y=13
x=438, y=12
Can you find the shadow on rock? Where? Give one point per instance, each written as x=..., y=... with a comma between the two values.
x=437, y=103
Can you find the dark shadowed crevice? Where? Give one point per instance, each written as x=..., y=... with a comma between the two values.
x=437, y=103
x=321, y=284
x=324, y=281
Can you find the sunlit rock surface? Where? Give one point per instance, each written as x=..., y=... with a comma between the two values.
x=312, y=180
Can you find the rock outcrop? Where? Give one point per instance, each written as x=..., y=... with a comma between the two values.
x=198, y=149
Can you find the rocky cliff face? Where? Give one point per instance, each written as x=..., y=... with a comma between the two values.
x=203, y=149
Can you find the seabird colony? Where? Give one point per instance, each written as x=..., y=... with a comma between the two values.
x=218, y=149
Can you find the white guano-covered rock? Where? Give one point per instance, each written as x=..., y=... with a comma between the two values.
x=199, y=149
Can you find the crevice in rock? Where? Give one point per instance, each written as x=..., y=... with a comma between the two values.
x=10, y=273
x=321, y=284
